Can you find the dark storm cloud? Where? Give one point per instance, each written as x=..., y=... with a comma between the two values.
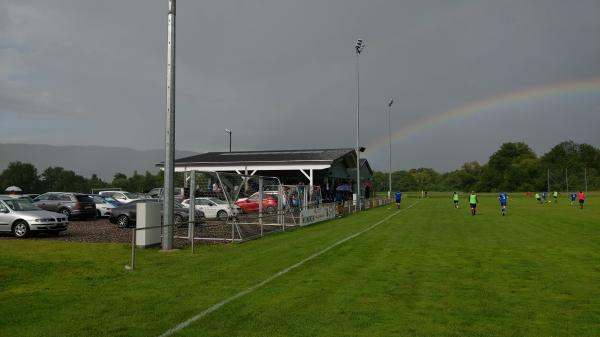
x=281, y=74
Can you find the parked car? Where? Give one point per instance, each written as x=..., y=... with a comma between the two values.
x=122, y=196
x=104, y=205
x=125, y=215
x=157, y=193
x=214, y=208
x=26, y=197
x=67, y=203
x=255, y=194
x=250, y=205
x=21, y=217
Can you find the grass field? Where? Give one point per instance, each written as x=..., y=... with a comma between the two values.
x=428, y=270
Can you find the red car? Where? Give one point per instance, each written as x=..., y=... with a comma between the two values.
x=250, y=205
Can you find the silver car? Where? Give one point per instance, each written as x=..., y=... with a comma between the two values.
x=21, y=217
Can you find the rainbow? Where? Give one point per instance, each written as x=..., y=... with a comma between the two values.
x=488, y=104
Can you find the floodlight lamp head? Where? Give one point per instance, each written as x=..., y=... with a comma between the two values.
x=391, y=102
x=227, y=130
x=360, y=45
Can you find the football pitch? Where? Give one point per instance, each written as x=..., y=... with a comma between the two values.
x=426, y=270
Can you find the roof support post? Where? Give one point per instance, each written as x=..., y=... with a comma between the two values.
x=310, y=185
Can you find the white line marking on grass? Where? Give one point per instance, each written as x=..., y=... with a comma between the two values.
x=192, y=319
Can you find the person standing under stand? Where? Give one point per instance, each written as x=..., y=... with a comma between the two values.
x=537, y=197
x=573, y=198
x=503, y=199
x=398, y=199
x=555, y=196
x=455, y=199
x=581, y=197
x=473, y=202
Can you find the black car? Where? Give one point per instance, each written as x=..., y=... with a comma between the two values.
x=125, y=215
x=69, y=204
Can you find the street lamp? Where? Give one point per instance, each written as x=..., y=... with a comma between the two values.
x=390, y=139
x=168, y=203
x=229, y=132
x=360, y=45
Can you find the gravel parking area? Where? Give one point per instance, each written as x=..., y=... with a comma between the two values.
x=93, y=230
x=102, y=231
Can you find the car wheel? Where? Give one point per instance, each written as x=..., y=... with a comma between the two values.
x=270, y=210
x=21, y=229
x=65, y=212
x=222, y=215
x=98, y=214
x=122, y=221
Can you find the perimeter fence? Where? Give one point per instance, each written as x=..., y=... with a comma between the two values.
x=233, y=207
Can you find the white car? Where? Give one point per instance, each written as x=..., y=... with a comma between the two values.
x=123, y=197
x=157, y=193
x=104, y=204
x=214, y=208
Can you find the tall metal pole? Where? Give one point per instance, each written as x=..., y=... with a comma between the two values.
x=229, y=132
x=390, y=139
x=192, y=214
x=585, y=178
x=359, y=48
x=167, y=242
x=567, y=178
x=548, y=181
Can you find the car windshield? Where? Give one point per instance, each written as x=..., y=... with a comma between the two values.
x=21, y=205
x=132, y=195
x=84, y=198
x=112, y=200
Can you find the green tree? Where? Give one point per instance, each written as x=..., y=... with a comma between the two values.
x=59, y=179
x=425, y=178
x=23, y=175
x=577, y=159
x=498, y=174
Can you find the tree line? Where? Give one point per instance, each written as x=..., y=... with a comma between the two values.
x=514, y=167
x=27, y=177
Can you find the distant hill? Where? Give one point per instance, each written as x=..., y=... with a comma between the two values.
x=85, y=160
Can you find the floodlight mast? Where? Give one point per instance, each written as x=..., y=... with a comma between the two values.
x=390, y=139
x=360, y=45
x=168, y=203
x=229, y=132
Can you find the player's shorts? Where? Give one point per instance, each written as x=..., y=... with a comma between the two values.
x=581, y=201
x=538, y=199
x=502, y=204
x=456, y=201
x=473, y=205
x=397, y=201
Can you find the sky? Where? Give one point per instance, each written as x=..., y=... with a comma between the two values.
x=465, y=76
